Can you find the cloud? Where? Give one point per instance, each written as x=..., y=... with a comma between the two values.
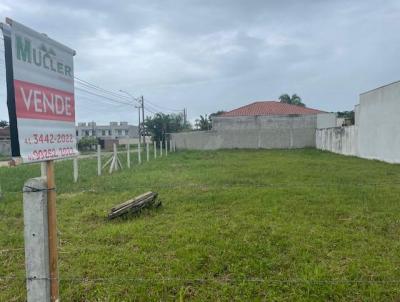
x=210, y=55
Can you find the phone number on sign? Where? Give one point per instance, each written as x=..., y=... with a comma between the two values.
x=50, y=139
x=51, y=153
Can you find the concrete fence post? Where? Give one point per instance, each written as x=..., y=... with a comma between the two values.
x=166, y=147
x=128, y=155
x=155, y=149
x=43, y=169
x=139, y=153
x=161, y=147
x=36, y=240
x=98, y=160
x=76, y=171
x=147, y=151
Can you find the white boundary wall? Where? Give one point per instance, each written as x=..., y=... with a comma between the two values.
x=342, y=140
x=5, y=147
x=376, y=134
x=379, y=124
x=253, y=132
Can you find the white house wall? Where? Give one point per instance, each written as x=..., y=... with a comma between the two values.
x=376, y=133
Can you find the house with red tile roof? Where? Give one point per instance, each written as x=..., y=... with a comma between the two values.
x=261, y=108
x=261, y=124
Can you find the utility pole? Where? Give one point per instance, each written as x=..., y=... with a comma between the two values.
x=141, y=103
x=184, y=116
x=139, y=127
x=143, y=130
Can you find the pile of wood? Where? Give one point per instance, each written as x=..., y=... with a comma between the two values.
x=135, y=205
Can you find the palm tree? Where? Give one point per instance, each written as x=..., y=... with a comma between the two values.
x=293, y=100
x=204, y=123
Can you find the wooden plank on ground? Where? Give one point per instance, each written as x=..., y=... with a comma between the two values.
x=133, y=205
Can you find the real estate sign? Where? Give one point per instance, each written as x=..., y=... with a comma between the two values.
x=40, y=94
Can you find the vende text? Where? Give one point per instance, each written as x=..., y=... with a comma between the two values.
x=40, y=102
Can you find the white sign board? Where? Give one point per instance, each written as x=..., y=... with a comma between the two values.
x=40, y=94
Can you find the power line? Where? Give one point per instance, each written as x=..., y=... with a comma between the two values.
x=96, y=87
x=162, y=107
x=111, y=96
x=103, y=96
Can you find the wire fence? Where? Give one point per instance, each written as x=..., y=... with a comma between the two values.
x=217, y=186
x=161, y=279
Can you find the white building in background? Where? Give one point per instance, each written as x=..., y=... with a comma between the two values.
x=115, y=130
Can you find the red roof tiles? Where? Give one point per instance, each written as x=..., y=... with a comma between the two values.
x=270, y=108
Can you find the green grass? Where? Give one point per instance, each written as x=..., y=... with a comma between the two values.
x=299, y=225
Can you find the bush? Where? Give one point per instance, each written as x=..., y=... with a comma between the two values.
x=88, y=143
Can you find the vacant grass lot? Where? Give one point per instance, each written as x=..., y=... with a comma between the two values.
x=299, y=225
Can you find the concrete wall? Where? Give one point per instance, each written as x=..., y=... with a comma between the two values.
x=342, y=140
x=379, y=123
x=5, y=147
x=376, y=133
x=326, y=120
x=269, y=132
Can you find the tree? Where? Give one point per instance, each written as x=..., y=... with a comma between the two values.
x=87, y=143
x=218, y=113
x=292, y=100
x=160, y=124
x=203, y=123
x=347, y=115
x=3, y=123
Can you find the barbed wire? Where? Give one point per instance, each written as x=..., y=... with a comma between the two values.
x=231, y=185
x=204, y=280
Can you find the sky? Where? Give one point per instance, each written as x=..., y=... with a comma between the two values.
x=215, y=55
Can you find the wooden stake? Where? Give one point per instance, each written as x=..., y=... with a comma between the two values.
x=139, y=153
x=52, y=225
x=98, y=160
x=128, y=155
x=43, y=169
x=76, y=172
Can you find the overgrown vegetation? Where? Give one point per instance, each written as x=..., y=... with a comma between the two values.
x=347, y=115
x=88, y=143
x=204, y=123
x=300, y=225
x=160, y=124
